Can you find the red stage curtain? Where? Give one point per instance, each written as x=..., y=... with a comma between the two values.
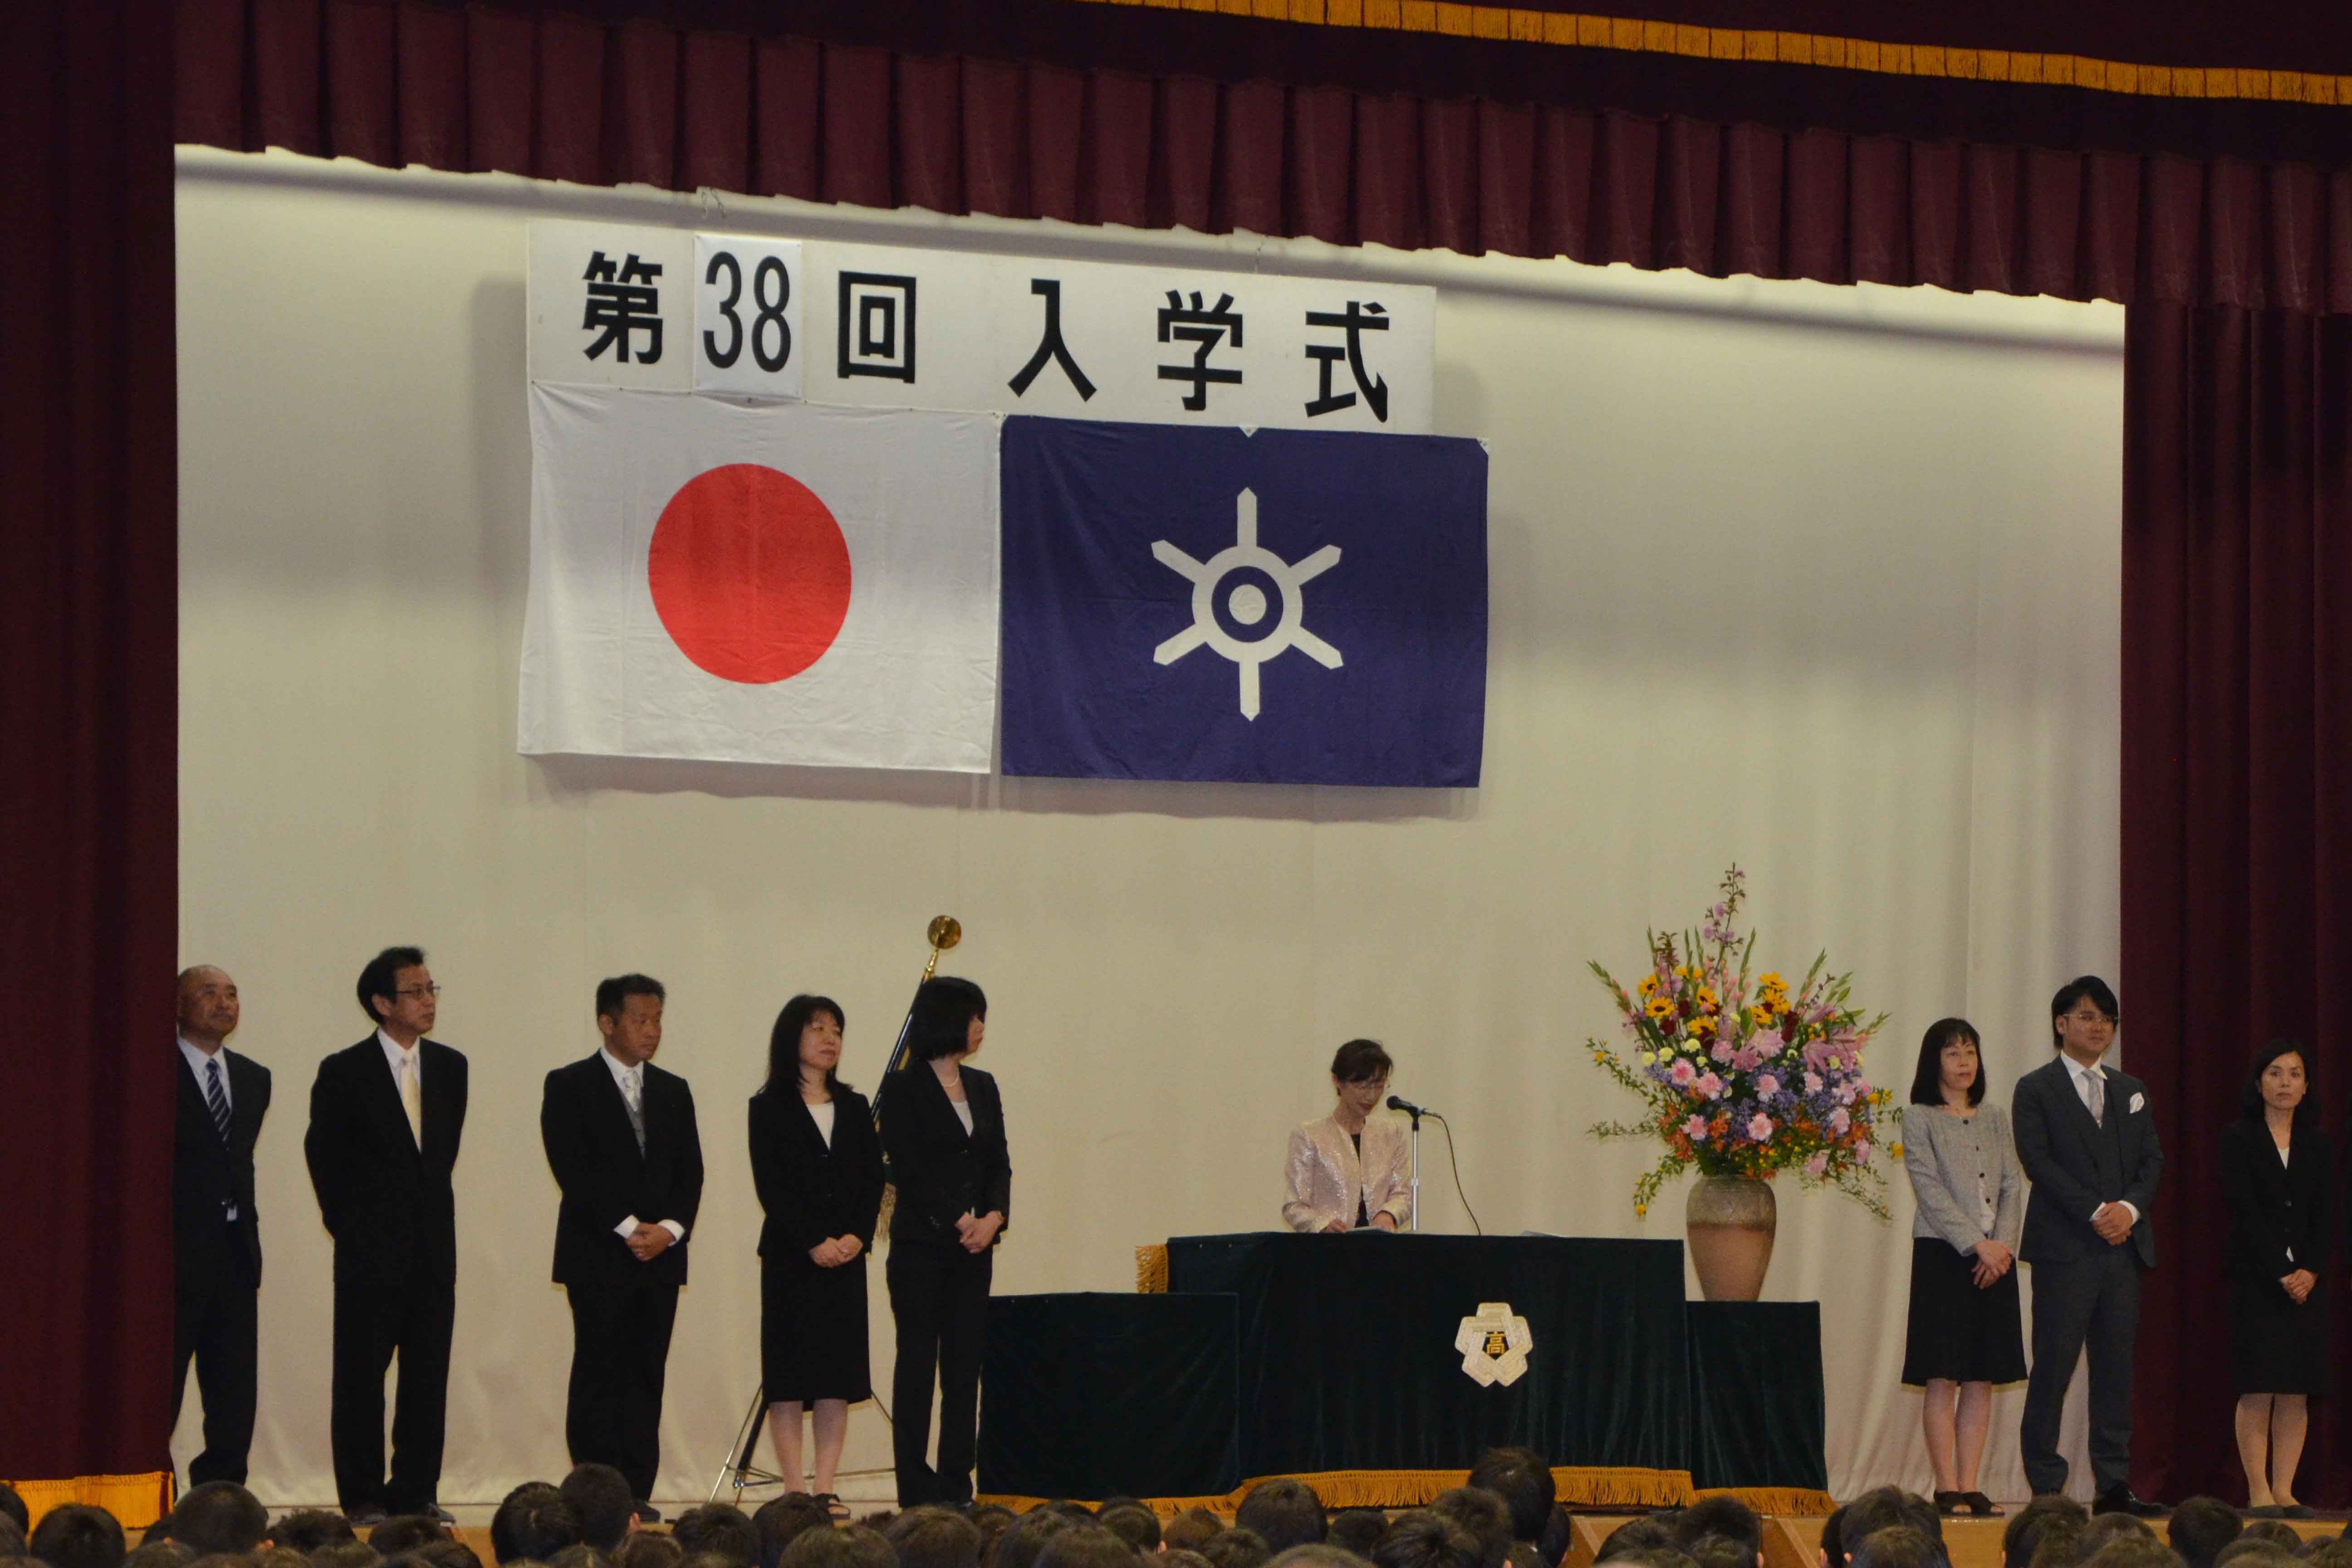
x=89, y=889
x=2237, y=808
x=1058, y=134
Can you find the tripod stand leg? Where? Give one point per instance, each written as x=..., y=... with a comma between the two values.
x=747, y=1437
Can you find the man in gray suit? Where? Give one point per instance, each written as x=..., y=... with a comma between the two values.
x=2088, y=1145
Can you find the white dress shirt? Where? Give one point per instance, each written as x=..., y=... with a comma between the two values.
x=630, y=1082
x=197, y=1058
x=2081, y=1076
x=823, y=1116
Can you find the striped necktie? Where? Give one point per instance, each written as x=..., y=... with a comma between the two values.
x=216, y=1096
x=632, y=1096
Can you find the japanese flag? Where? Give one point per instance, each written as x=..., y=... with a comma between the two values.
x=780, y=583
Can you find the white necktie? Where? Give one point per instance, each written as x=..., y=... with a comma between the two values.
x=410, y=1098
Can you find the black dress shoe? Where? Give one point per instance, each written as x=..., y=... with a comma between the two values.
x=646, y=1512
x=2121, y=1500
x=366, y=1515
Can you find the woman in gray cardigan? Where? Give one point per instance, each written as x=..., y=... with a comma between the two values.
x=1963, y=1335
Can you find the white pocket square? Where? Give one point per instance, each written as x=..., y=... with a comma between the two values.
x=2138, y=1104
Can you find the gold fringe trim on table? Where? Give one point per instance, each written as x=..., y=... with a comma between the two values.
x=1151, y=1271
x=1578, y=1486
x=1787, y=1502
x=1637, y=35
x=137, y=1501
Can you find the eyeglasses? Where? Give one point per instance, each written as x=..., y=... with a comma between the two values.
x=2090, y=1017
x=432, y=990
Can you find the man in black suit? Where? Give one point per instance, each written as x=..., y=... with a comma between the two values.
x=2088, y=1145
x=620, y=1138
x=385, y=1117
x=216, y=1228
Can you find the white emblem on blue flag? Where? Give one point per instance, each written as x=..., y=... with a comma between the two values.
x=1245, y=602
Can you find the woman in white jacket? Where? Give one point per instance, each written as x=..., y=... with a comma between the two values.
x=1347, y=1171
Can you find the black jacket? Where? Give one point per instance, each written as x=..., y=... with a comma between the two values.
x=210, y=1177
x=388, y=1203
x=2274, y=1207
x=941, y=1171
x=812, y=1193
x=2076, y=1163
x=585, y=1123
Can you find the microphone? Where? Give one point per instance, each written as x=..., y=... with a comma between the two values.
x=1399, y=1103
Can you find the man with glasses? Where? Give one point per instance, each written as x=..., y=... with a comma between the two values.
x=2088, y=1145
x=386, y=1116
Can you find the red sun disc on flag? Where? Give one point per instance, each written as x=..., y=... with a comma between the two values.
x=749, y=574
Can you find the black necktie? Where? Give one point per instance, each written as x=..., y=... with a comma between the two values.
x=216, y=1096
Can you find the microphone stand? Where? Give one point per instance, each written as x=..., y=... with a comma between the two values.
x=1416, y=1114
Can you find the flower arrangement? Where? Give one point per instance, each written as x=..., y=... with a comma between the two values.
x=1740, y=1077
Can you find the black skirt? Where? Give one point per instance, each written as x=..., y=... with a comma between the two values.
x=813, y=1329
x=1956, y=1330
x=2277, y=1346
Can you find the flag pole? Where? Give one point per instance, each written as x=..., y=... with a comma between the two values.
x=944, y=932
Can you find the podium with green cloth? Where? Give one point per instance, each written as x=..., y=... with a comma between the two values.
x=1378, y=1367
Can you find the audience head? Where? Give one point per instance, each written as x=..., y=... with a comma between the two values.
x=2023, y=1532
x=1485, y=1515
x=2198, y=1529
x=1357, y=1529
x=1559, y=1535
x=2327, y=1552
x=1178, y=1557
x=653, y=1549
x=1421, y=1539
x=601, y=1504
x=308, y=1529
x=395, y=988
x=534, y=1522
x=2251, y=1551
x=2107, y=1527
x=719, y=1526
x=1026, y=1537
x=352, y=1553
x=1524, y=1482
x=12, y=1538
x=780, y=1520
x=1189, y=1528
x=1318, y=1554
x=11, y=1507
x=1832, y=1547
x=446, y=1552
x=851, y=1546
x=1725, y=1516
x=1135, y=1524
x=220, y=1560
x=1073, y=1508
x=2129, y=1551
x=1899, y=1546
x=2277, y=1532
x=1648, y=1532
x=945, y=1015
x=220, y=1516
x=579, y=1554
x=1284, y=1512
x=1718, y=1552
x=1957, y=1036
x=2086, y=1012
x=1088, y=1545
x=277, y=1555
x=1237, y=1549
x=404, y=1533
x=1883, y=1508
x=929, y=1537
x=994, y=1519
x=161, y=1552
x=76, y=1535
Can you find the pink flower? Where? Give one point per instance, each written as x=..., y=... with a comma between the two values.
x=1759, y=1127
x=1816, y=1162
x=1767, y=1086
x=1812, y=1083
x=1862, y=1087
x=1710, y=1086
x=1722, y=1052
x=1683, y=1074
x=1767, y=1041
x=1696, y=1129
x=1839, y=1121
x=1748, y=1060
x=1862, y=1149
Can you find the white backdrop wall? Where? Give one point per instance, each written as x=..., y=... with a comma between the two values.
x=1821, y=580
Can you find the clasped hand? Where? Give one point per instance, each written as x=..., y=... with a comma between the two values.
x=2299, y=1284
x=835, y=1251
x=1993, y=1260
x=2114, y=1224
x=976, y=1231
x=648, y=1242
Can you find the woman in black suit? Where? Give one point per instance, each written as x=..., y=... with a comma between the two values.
x=2278, y=1175
x=943, y=1129
x=818, y=1167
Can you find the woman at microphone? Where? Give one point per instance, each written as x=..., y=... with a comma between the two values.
x=1347, y=1171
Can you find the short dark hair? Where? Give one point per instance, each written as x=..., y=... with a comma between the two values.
x=939, y=1023
x=2106, y=1527
x=1236, y=1548
x=2328, y=1550
x=2249, y=1098
x=1883, y=1508
x=1719, y=1552
x=2097, y=991
x=1356, y=1529
x=1026, y=1536
x=602, y=1504
x=381, y=978
x=579, y=1554
x=851, y=1546
x=352, y=1553
x=1559, y=1535
x=2026, y=1527
x=1088, y=1546
x=1899, y=1546
x=220, y=1560
x=1420, y=1539
x=446, y=1552
x=1284, y=1512
x=785, y=1051
x=1485, y=1515
x=929, y=1537
x=1524, y=1482
x=1131, y=1522
x=1188, y=1529
x=719, y=1526
x=12, y=1538
x=13, y=1507
x=2199, y=1527
x=612, y=995
x=533, y=1522
x=779, y=1520
x=1721, y=1515
x=1927, y=1083
x=1640, y=1534
x=308, y=1529
x=77, y=1535
x=220, y=1516
x=1653, y=1557
x=2277, y=1532
x=1361, y=1060
x=161, y=1552
x=1322, y=1553
x=2252, y=1549
x=2134, y=1552
x=649, y=1548
x=1177, y=1557
x=404, y=1533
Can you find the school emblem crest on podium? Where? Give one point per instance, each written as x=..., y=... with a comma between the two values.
x=1493, y=1341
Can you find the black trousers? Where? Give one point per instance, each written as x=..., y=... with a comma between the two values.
x=939, y=1293
x=216, y=1323
x=375, y=1320
x=2092, y=1303
x=620, y=1354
